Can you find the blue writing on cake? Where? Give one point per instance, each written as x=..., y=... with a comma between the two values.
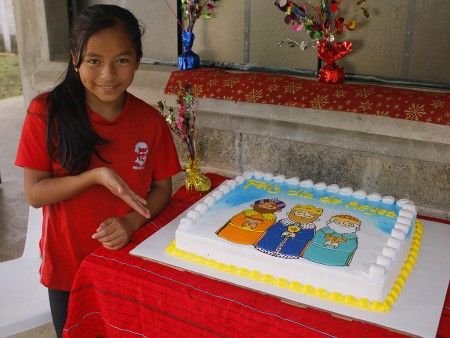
x=330, y=199
x=369, y=211
x=300, y=193
x=270, y=188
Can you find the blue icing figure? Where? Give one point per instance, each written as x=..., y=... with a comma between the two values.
x=336, y=243
x=288, y=237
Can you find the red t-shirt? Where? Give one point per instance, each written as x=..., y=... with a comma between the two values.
x=141, y=150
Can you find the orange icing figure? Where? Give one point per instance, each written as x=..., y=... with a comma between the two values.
x=249, y=225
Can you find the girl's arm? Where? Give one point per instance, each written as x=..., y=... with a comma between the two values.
x=115, y=232
x=41, y=188
x=157, y=199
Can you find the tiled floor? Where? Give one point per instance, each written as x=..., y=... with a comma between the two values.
x=13, y=207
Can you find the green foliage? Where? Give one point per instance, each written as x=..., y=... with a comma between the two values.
x=10, y=82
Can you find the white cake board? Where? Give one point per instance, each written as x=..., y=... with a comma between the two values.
x=417, y=311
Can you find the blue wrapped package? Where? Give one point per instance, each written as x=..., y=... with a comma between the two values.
x=188, y=59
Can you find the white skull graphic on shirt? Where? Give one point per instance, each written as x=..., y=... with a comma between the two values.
x=141, y=150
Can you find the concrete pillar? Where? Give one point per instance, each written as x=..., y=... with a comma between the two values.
x=42, y=36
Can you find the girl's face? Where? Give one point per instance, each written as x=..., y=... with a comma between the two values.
x=107, y=70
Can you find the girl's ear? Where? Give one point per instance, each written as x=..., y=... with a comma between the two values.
x=74, y=58
x=137, y=65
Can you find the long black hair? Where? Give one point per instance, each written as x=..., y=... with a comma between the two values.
x=71, y=139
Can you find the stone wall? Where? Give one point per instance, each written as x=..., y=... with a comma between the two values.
x=424, y=182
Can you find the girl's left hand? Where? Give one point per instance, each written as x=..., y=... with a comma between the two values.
x=114, y=233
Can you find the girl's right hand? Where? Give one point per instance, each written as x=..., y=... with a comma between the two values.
x=41, y=188
x=114, y=183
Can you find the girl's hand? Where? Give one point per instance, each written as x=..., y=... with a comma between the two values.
x=41, y=188
x=114, y=233
x=115, y=184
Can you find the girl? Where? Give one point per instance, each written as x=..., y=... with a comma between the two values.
x=96, y=158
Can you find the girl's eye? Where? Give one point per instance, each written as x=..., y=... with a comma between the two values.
x=122, y=61
x=93, y=62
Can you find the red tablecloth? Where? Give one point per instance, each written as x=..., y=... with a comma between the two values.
x=277, y=89
x=116, y=294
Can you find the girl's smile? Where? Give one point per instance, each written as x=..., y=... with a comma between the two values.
x=107, y=70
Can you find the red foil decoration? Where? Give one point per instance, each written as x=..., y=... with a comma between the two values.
x=331, y=72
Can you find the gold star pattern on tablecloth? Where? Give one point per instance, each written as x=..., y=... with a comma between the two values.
x=276, y=89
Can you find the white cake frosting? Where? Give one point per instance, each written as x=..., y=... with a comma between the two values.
x=355, y=245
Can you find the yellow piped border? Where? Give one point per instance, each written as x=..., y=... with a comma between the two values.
x=310, y=290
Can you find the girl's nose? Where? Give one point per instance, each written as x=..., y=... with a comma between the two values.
x=108, y=71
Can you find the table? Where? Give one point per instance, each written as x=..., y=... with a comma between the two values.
x=116, y=294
